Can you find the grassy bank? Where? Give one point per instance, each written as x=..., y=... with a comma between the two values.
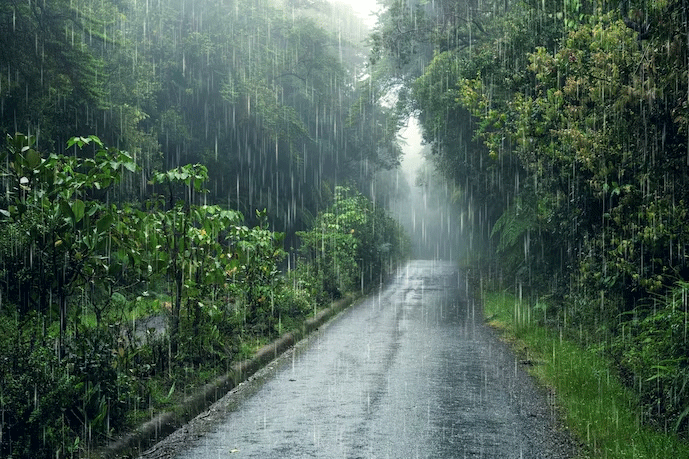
x=601, y=412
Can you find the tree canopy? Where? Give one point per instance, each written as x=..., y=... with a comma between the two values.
x=267, y=95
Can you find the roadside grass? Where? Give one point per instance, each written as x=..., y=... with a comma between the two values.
x=250, y=346
x=601, y=412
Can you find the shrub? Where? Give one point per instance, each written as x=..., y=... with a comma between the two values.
x=653, y=351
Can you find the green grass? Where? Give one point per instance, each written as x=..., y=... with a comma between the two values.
x=596, y=407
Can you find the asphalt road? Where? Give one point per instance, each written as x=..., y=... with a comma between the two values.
x=409, y=372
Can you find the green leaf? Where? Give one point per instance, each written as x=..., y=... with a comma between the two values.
x=680, y=418
x=93, y=208
x=66, y=210
x=104, y=223
x=96, y=139
x=170, y=392
x=75, y=140
x=33, y=159
x=78, y=208
x=130, y=166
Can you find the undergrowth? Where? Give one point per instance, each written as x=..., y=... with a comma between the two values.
x=600, y=411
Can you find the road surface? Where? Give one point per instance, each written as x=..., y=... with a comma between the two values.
x=411, y=371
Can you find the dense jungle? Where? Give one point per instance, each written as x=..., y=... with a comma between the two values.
x=562, y=129
x=180, y=185
x=184, y=180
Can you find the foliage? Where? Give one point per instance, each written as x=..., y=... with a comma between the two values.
x=293, y=305
x=63, y=231
x=47, y=402
x=565, y=129
x=26, y=368
x=39, y=58
x=600, y=409
x=258, y=253
x=352, y=244
x=652, y=352
x=267, y=101
x=83, y=355
x=331, y=251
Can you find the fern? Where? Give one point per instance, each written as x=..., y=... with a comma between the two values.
x=513, y=224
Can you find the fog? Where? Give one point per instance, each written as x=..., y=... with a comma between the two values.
x=424, y=205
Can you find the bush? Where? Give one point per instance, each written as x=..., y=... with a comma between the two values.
x=30, y=425
x=352, y=245
x=653, y=352
x=51, y=407
x=97, y=389
x=294, y=305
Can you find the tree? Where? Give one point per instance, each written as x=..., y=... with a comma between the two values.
x=49, y=73
x=257, y=254
x=173, y=235
x=352, y=244
x=56, y=230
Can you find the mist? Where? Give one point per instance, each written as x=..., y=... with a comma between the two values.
x=423, y=202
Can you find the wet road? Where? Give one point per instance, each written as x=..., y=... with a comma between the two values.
x=410, y=372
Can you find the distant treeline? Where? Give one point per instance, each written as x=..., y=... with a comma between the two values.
x=273, y=98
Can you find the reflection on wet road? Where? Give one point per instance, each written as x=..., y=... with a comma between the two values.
x=409, y=372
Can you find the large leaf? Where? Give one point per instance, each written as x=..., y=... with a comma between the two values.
x=104, y=223
x=66, y=210
x=78, y=208
x=33, y=159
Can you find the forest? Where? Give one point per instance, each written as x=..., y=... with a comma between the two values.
x=183, y=181
x=562, y=128
x=217, y=163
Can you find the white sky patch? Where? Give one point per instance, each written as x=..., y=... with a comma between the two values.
x=365, y=9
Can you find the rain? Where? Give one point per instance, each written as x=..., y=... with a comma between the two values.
x=393, y=228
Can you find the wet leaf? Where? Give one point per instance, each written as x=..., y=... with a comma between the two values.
x=78, y=208
x=33, y=159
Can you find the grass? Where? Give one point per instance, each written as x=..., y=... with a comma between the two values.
x=250, y=346
x=596, y=407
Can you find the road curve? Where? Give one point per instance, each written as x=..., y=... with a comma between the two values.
x=410, y=372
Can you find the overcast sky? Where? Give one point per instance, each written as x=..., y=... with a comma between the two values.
x=364, y=8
